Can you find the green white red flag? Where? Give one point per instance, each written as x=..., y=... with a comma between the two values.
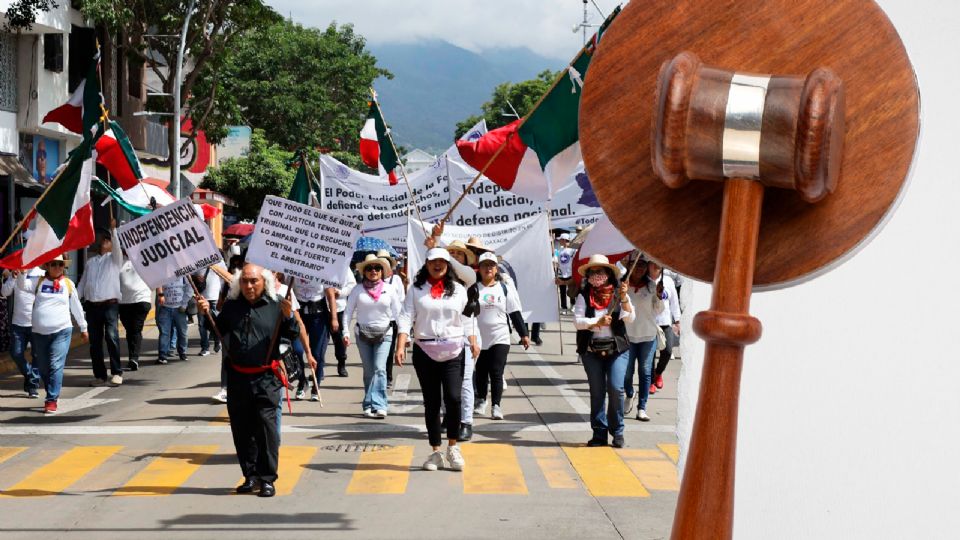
x=115, y=152
x=375, y=146
x=85, y=107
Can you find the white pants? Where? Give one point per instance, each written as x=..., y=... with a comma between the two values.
x=466, y=391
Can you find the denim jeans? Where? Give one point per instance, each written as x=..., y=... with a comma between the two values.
x=102, y=323
x=206, y=332
x=605, y=377
x=19, y=339
x=374, y=359
x=49, y=355
x=318, y=328
x=170, y=321
x=641, y=353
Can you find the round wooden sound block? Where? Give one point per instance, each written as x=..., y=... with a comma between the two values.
x=798, y=239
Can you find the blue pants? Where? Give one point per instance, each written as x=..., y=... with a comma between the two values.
x=605, y=377
x=318, y=329
x=205, y=329
x=50, y=355
x=172, y=324
x=19, y=339
x=374, y=358
x=641, y=353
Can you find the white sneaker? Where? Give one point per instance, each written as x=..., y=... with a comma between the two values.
x=497, y=414
x=455, y=458
x=380, y=413
x=628, y=407
x=435, y=461
x=480, y=407
x=204, y=353
x=368, y=413
x=116, y=380
x=221, y=396
x=504, y=383
x=642, y=416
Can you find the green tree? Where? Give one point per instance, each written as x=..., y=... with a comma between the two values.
x=21, y=14
x=509, y=98
x=303, y=86
x=265, y=170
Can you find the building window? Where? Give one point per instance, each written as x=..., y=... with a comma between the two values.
x=8, y=67
x=134, y=78
x=53, y=52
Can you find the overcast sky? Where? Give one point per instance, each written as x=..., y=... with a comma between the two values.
x=545, y=26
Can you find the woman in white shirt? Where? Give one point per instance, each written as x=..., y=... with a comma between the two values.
x=645, y=296
x=499, y=306
x=393, y=280
x=376, y=305
x=55, y=300
x=21, y=285
x=668, y=319
x=433, y=314
x=601, y=314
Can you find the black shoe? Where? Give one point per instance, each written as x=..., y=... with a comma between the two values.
x=133, y=365
x=594, y=442
x=267, y=490
x=247, y=486
x=618, y=442
x=183, y=358
x=216, y=347
x=342, y=370
x=33, y=394
x=161, y=361
x=538, y=342
x=466, y=432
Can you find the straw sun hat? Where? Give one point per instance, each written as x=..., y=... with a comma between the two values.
x=598, y=261
x=460, y=247
x=372, y=259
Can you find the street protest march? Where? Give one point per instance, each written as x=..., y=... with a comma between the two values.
x=303, y=242
x=170, y=242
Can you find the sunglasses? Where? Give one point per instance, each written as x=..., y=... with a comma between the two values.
x=56, y=263
x=374, y=269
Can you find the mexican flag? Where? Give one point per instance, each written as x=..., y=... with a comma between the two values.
x=83, y=109
x=63, y=220
x=375, y=147
x=303, y=188
x=115, y=152
x=544, y=145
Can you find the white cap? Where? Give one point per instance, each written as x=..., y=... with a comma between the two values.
x=488, y=256
x=438, y=253
x=566, y=236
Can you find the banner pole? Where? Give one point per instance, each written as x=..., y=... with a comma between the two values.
x=213, y=324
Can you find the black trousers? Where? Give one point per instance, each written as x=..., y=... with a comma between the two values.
x=339, y=349
x=489, y=369
x=533, y=329
x=132, y=317
x=563, y=296
x=393, y=351
x=252, y=406
x=439, y=381
x=102, y=324
x=664, y=355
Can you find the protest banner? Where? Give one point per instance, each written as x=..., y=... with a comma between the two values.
x=526, y=252
x=170, y=242
x=302, y=241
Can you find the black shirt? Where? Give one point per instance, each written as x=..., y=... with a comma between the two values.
x=247, y=329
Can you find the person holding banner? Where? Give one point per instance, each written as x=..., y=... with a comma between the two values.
x=135, y=303
x=564, y=258
x=254, y=379
x=376, y=304
x=55, y=300
x=99, y=288
x=601, y=315
x=433, y=314
x=172, y=302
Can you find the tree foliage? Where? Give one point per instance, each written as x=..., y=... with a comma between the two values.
x=265, y=170
x=507, y=99
x=302, y=86
x=21, y=14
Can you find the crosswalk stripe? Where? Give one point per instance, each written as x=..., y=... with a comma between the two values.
x=384, y=472
x=7, y=452
x=168, y=471
x=671, y=450
x=492, y=469
x=62, y=472
x=604, y=473
x=223, y=417
x=555, y=468
x=293, y=460
x=659, y=475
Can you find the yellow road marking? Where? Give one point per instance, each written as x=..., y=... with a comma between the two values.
x=293, y=460
x=383, y=472
x=7, y=452
x=671, y=450
x=555, y=468
x=168, y=471
x=658, y=475
x=222, y=418
x=604, y=473
x=62, y=472
x=639, y=453
x=492, y=469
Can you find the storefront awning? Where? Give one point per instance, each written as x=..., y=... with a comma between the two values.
x=10, y=166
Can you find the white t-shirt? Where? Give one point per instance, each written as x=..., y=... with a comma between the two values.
x=54, y=304
x=495, y=308
x=565, y=261
x=374, y=313
x=22, y=288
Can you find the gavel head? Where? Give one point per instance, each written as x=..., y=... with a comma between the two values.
x=784, y=131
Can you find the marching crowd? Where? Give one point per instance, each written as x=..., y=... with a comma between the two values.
x=456, y=315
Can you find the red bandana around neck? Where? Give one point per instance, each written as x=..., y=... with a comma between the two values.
x=56, y=283
x=600, y=296
x=436, y=287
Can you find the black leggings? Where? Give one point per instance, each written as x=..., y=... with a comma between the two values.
x=490, y=368
x=666, y=353
x=439, y=381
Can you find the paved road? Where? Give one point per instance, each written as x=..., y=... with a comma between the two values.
x=154, y=458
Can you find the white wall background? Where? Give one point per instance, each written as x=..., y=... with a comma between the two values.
x=850, y=405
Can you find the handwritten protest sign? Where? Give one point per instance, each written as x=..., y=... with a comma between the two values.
x=302, y=241
x=169, y=242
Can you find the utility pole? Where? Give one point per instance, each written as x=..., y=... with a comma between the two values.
x=175, y=124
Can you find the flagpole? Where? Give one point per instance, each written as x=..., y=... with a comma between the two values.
x=403, y=171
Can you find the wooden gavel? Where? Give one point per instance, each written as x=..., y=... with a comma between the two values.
x=748, y=131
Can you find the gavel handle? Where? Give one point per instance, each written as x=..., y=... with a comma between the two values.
x=705, y=504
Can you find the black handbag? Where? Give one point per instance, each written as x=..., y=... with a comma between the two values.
x=291, y=363
x=371, y=334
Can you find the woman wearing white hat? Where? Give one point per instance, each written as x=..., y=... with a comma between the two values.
x=55, y=300
x=601, y=314
x=434, y=315
x=376, y=305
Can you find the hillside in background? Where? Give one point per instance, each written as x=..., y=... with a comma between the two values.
x=437, y=84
